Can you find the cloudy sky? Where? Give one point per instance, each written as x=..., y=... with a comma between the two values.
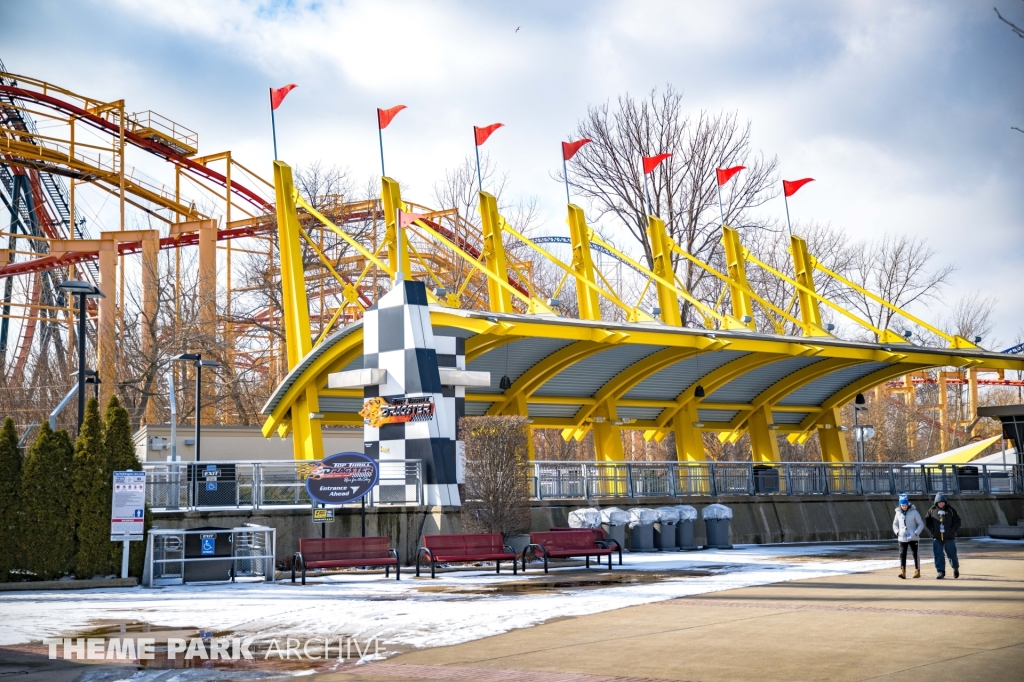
x=901, y=111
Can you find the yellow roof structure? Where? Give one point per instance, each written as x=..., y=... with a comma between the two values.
x=960, y=455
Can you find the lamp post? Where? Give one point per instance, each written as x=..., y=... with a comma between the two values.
x=83, y=290
x=198, y=363
x=860, y=433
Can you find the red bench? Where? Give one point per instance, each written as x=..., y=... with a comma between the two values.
x=449, y=549
x=600, y=537
x=555, y=544
x=342, y=552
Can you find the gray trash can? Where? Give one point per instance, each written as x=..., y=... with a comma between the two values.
x=641, y=529
x=617, y=533
x=684, y=529
x=613, y=521
x=665, y=536
x=716, y=524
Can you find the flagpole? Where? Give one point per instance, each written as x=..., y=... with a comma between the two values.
x=273, y=124
x=479, y=175
x=399, y=275
x=565, y=176
x=647, y=194
x=721, y=212
x=788, y=224
x=380, y=137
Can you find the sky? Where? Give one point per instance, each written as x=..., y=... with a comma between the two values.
x=902, y=112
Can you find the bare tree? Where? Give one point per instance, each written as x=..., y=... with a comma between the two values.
x=1020, y=34
x=683, y=190
x=497, y=491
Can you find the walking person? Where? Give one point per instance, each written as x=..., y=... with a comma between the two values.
x=943, y=522
x=907, y=525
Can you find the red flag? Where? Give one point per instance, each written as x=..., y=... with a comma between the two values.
x=408, y=218
x=277, y=95
x=789, y=187
x=569, y=149
x=651, y=162
x=725, y=174
x=384, y=116
x=483, y=133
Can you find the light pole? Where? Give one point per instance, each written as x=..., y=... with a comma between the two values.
x=860, y=433
x=83, y=290
x=198, y=363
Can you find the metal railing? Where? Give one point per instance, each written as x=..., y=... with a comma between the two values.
x=175, y=556
x=190, y=486
x=585, y=480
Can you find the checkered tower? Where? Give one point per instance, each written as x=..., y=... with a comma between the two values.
x=398, y=337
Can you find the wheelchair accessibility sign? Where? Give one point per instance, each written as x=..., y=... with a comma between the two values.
x=208, y=544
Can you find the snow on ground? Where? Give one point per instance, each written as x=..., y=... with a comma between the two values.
x=402, y=615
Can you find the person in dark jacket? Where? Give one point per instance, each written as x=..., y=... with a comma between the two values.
x=943, y=523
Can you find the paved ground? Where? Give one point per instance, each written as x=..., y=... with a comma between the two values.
x=869, y=626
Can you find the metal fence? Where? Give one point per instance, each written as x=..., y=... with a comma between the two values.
x=188, y=486
x=584, y=480
x=176, y=556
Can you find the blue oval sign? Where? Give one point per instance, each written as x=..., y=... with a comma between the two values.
x=342, y=478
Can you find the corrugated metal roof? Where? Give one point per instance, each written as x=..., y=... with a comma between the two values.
x=332, y=404
x=514, y=358
x=788, y=417
x=586, y=377
x=674, y=379
x=820, y=390
x=475, y=409
x=639, y=412
x=542, y=410
x=716, y=415
x=745, y=388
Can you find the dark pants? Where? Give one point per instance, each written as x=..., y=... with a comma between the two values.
x=949, y=546
x=903, y=554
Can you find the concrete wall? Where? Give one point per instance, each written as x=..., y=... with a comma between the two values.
x=811, y=518
x=756, y=520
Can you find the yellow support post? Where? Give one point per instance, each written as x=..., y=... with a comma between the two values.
x=391, y=197
x=661, y=250
x=736, y=261
x=494, y=254
x=764, y=444
x=583, y=265
x=831, y=438
x=689, y=442
x=307, y=439
x=803, y=268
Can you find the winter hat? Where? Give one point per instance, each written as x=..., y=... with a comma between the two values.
x=904, y=499
x=939, y=497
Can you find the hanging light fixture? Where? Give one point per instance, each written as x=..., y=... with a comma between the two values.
x=505, y=383
x=698, y=392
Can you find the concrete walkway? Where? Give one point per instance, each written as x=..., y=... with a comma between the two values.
x=869, y=626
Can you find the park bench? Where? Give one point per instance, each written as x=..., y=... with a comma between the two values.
x=600, y=537
x=558, y=544
x=450, y=549
x=344, y=552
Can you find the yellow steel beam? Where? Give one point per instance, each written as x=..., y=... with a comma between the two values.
x=831, y=438
x=803, y=270
x=583, y=265
x=494, y=255
x=661, y=250
x=391, y=197
x=764, y=443
x=742, y=309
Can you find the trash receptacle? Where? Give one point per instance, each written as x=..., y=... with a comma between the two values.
x=585, y=518
x=684, y=529
x=665, y=529
x=766, y=479
x=641, y=529
x=716, y=525
x=614, y=521
x=967, y=477
x=209, y=542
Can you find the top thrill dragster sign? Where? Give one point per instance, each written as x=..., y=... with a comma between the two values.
x=379, y=411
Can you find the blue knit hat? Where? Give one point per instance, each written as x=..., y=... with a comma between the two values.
x=904, y=499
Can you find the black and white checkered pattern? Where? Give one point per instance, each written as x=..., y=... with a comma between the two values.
x=398, y=337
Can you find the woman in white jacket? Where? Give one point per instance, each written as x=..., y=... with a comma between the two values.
x=908, y=525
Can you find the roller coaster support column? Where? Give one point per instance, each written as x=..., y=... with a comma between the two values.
x=583, y=265
x=307, y=438
x=494, y=254
x=803, y=268
x=391, y=197
x=661, y=250
x=735, y=259
x=208, y=307
x=150, y=299
x=831, y=437
x=764, y=442
x=689, y=443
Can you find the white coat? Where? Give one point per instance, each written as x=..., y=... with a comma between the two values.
x=908, y=525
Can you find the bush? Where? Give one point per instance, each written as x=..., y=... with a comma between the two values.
x=93, y=490
x=119, y=448
x=46, y=531
x=497, y=484
x=10, y=479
